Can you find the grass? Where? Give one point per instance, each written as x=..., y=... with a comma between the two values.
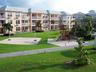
x=43, y=43
x=46, y=62
x=5, y=48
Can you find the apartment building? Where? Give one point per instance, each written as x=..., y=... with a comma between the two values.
x=24, y=20
x=69, y=21
x=18, y=17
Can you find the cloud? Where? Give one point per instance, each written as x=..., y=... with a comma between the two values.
x=73, y=6
x=70, y=6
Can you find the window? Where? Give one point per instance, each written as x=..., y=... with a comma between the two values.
x=2, y=21
x=45, y=21
x=17, y=28
x=10, y=21
x=52, y=15
x=26, y=21
x=10, y=14
x=55, y=15
x=33, y=15
x=17, y=15
x=17, y=21
x=24, y=15
x=22, y=21
x=1, y=14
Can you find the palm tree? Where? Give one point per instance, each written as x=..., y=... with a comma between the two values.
x=38, y=26
x=82, y=57
x=64, y=32
x=49, y=22
x=7, y=27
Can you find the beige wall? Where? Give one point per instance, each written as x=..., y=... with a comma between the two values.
x=34, y=16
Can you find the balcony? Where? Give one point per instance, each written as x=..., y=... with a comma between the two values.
x=0, y=24
x=35, y=17
x=2, y=17
x=54, y=18
x=25, y=24
x=17, y=17
x=25, y=17
x=9, y=17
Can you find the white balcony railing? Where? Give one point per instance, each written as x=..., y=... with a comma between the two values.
x=2, y=16
x=25, y=24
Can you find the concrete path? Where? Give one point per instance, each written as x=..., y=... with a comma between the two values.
x=29, y=52
x=38, y=51
x=69, y=43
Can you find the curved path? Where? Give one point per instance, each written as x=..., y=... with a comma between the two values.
x=29, y=52
x=38, y=51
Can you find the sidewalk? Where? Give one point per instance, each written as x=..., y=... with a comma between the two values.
x=29, y=52
x=38, y=51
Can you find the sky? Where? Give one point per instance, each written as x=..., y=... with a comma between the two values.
x=69, y=6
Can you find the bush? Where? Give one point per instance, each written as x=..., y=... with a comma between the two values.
x=39, y=31
x=89, y=37
x=8, y=34
x=82, y=58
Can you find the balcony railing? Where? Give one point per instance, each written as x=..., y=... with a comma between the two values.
x=2, y=16
x=25, y=24
x=0, y=24
x=36, y=17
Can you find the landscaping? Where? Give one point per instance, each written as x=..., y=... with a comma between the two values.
x=42, y=44
x=46, y=62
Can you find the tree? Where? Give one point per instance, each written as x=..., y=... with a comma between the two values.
x=64, y=32
x=53, y=22
x=7, y=27
x=38, y=26
x=48, y=20
x=82, y=27
x=82, y=56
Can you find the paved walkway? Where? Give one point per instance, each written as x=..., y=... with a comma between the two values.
x=38, y=51
x=29, y=52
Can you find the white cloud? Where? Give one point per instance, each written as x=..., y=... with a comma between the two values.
x=73, y=6
x=70, y=6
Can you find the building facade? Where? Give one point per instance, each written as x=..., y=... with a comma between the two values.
x=24, y=20
x=69, y=21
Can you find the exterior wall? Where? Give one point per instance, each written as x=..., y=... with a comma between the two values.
x=69, y=21
x=25, y=21
x=18, y=20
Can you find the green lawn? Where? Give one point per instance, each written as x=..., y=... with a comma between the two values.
x=46, y=62
x=43, y=43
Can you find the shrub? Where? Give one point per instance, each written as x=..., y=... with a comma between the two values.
x=88, y=37
x=82, y=58
x=39, y=31
x=8, y=34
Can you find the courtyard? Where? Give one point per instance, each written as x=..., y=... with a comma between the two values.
x=52, y=57
x=4, y=48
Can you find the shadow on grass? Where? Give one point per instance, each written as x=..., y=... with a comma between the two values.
x=69, y=53
x=37, y=66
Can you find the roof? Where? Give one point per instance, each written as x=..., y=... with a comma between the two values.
x=18, y=9
x=9, y=8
